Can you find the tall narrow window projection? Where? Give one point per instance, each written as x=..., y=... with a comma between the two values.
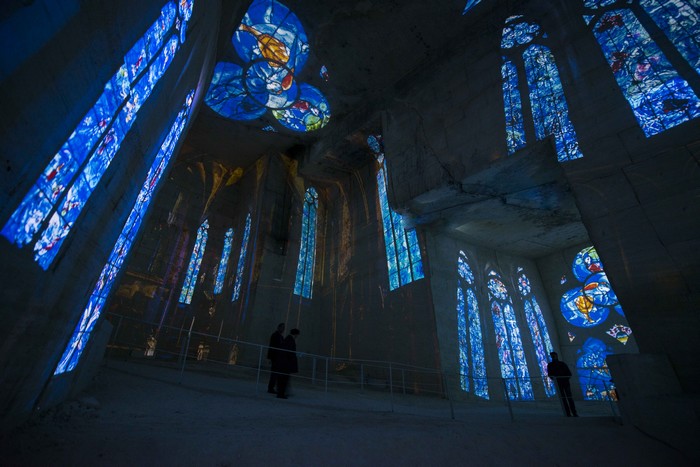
x=472, y=364
x=223, y=263
x=538, y=329
x=63, y=188
x=98, y=297
x=525, y=52
x=660, y=98
x=508, y=341
x=200, y=244
x=402, y=249
x=307, y=252
x=469, y=5
x=241, y=260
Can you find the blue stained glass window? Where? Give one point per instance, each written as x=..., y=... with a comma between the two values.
x=590, y=302
x=660, y=98
x=508, y=341
x=105, y=281
x=200, y=245
x=515, y=129
x=402, y=248
x=472, y=364
x=538, y=329
x=550, y=112
x=273, y=47
x=241, y=260
x=223, y=264
x=96, y=140
x=307, y=252
x=470, y=4
x=593, y=373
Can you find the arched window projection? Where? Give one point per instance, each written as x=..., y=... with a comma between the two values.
x=272, y=45
x=82, y=160
x=470, y=4
x=472, y=364
x=593, y=372
x=223, y=264
x=81, y=334
x=660, y=98
x=200, y=245
x=241, y=260
x=523, y=53
x=402, y=249
x=589, y=303
x=538, y=329
x=508, y=341
x=307, y=252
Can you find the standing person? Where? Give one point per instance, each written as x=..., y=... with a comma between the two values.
x=274, y=355
x=289, y=362
x=559, y=371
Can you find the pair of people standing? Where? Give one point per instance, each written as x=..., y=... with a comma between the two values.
x=283, y=360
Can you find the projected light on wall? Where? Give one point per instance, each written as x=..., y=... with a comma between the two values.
x=273, y=48
x=470, y=4
x=200, y=245
x=223, y=263
x=304, y=282
x=522, y=50
x=91, y=313
x=508, y=341
x=660, y=98
x=66, y=184
x=241, y=260
x=472, y=364
x=402, y=249
x=590, y=302
x=593, y=372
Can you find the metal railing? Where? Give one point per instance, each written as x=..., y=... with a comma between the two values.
x=393, y=386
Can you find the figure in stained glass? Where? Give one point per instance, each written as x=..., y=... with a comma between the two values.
x=593, y=372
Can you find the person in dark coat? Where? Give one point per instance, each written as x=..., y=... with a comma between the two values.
x=288, y=362
x=559, y=371
x=274, y=354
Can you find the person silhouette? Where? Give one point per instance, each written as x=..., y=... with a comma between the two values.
x=288, y=362
x=274, y=355
x=559, y=371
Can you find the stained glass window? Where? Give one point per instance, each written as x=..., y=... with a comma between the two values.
x=200, y=244
x=402, y=249
x=241, y=260
x=272, y=46
x=589, y=303
x=593, y=372
x=92, y=311
x=223, y=264
x=660, y=98
x=65, y=185
x=522, y=49
x=538, y=329
x=472, y=364
x=470, y=4
x=307, y=252
x=508, y=341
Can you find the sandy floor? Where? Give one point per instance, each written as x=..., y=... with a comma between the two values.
x=142, y=415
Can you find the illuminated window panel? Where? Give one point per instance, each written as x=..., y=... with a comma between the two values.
x=515, y=129
x=83, y=159
x=241, y=261
x=593, y=373
x=81, y=334
x=200, y=245
x=402, y=248
x=272, y=49
x=538, y=329
x=550, y=113
x=223, y=264
x=659, y=97
x=307, y=253
x=472, y=364
x=508, y=341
